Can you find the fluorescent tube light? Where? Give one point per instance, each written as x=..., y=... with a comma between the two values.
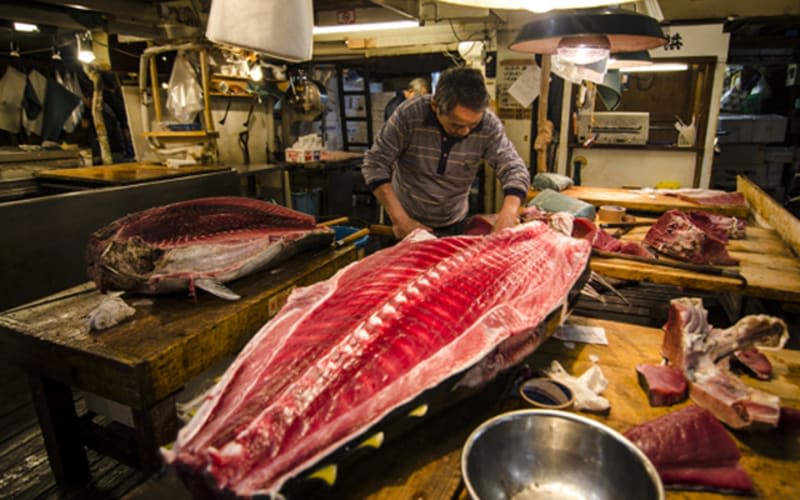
x=656, y=68
x=26, y=27
x=351, y=28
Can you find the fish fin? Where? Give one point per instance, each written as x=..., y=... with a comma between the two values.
x=327, y=474
x=419, y=411
x=374, y=441
x=214, y=287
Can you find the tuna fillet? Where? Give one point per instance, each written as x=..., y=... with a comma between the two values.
x=344, y=352
x=675, y=234
x=664, y=385
x=691, y=449
x=701, y=352
x=198, y=243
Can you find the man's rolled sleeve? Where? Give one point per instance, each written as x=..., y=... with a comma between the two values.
x=389, y=143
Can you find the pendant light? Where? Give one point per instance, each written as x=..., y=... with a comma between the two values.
x=573, y=35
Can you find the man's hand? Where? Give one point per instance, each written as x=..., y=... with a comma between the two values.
x=507, y=216
x=403, y=228
x=402, y=223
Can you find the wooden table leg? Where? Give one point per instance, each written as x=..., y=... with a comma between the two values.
x=153, y=428
x=60, y=428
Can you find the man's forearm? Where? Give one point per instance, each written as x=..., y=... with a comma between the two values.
x=402, y=223
x=507, y=216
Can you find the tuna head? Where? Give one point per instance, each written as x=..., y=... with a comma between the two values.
x=115, y=265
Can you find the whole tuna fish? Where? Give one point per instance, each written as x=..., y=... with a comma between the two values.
x=344, y=352
x=199, y=243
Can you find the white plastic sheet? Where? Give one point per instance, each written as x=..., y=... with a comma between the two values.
x=184, y=95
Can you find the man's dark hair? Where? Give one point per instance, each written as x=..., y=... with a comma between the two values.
x=461, y=86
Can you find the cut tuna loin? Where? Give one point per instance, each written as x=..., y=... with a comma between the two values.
x=664, y=385
x=701, y=352
x=713, y=197
x=344, y=352
x=601, y=240
x=691, y=449
x=198, y=243
x=676, y=235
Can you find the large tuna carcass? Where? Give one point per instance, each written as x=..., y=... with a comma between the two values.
x=198, y=243
x=702, y=352
x=343, y=353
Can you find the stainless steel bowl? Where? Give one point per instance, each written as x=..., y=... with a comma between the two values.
x=533, y=454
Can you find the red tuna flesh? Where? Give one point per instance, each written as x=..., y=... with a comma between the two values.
x=202, y=242
x=754, y=362
x=344, y=352
x=601, y=240
x=701, y=352
x=714, y=197
x=664, y=385
x=675, y=234
x=722, y=227
x=690, y=448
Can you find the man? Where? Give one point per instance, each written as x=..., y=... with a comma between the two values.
x=426, y=157
x=417, y=86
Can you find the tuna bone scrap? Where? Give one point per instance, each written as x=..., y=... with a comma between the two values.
x=345, y=352
x=198, y=243
x=701, y=352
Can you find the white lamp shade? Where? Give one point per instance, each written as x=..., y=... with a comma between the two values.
x=277, y=28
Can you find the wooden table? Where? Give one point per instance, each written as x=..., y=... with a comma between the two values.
x=142, y=363
x=120, y=174
x=639, y=201
x=426, y=463
x=768, y=256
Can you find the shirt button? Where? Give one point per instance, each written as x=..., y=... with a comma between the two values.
x=445, y=155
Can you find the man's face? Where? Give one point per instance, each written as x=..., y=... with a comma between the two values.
x=459, y=121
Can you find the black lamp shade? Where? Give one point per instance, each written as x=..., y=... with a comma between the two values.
x=626, y=31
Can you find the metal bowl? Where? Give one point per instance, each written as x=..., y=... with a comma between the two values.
x=532, y=454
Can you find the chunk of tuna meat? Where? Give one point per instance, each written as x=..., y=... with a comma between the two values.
x=198, y=243
x=713, y=197
x=601, y=240
x=753, y=362
x=691, y=449
x=675, y=234
x=722, y=227
x=664, y=385
x=701, y=352
x=343, y=353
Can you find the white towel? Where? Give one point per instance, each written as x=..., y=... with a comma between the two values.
x=12, y=90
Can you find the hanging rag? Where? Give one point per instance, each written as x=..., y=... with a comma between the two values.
x=38, y=82
x=59, y=105
x=12, y=91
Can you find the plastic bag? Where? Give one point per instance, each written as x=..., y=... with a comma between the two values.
x=184, y=95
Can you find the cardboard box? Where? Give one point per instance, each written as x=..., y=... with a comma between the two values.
x=302, y=155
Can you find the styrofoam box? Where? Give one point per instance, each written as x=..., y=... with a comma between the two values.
x=759, y=129
x=740, y=153
x=779, y=154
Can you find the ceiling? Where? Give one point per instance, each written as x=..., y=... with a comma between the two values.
x=756, y=28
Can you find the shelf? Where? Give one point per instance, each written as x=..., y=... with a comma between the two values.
x=182, y=134
x=642, y=147
x=228, y=94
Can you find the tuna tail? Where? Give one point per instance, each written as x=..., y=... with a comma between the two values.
x=216, y=288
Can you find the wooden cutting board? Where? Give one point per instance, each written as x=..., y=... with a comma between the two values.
x=427, y=463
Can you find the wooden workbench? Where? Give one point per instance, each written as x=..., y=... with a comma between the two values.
x=142, y=363
x=635, y=200
x=426, y=463
x=120, y=173
x=768, y=255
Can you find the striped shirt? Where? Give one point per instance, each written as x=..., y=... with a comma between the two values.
x=431, y=172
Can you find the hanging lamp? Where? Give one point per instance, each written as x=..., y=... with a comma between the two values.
x=611, y=30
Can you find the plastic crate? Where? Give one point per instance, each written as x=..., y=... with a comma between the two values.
x=345, y=231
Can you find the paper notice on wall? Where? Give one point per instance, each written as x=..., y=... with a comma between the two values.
x=526, y=88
